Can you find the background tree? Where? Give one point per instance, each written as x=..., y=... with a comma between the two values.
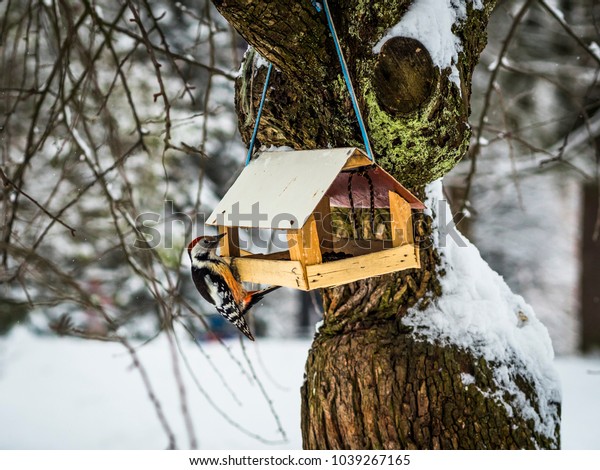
x=532, y=170
x=372, y=381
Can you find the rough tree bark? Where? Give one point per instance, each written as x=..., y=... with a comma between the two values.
x=370, y=382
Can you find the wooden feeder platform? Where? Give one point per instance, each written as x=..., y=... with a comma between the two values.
x=294, y=191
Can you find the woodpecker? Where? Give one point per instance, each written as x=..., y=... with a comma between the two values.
x=217, y=283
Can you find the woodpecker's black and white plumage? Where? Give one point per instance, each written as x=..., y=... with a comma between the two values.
x=217, y=283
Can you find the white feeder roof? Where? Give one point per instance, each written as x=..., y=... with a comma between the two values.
x=280, y=190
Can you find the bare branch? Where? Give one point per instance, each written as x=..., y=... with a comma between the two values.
x=474, y=152
x=8, y=182
x=569, y=30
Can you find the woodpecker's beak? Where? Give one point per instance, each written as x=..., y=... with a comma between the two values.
x=216, y=240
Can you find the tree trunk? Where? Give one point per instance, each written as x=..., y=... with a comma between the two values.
x=371, y=381
x=378, y=388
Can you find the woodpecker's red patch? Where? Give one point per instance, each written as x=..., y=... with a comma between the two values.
x=248, y=298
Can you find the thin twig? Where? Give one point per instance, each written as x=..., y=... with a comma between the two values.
x=8, y=182
x=189, y=424
x=569, y=30
x=151, y=395
x=487, y=100
x=213, y=404
x=264, y=392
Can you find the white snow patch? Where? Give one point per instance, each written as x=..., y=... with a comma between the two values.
x=430, y=22
x=479, y=313
x=467, y=379
x=260, y=61
x=595, y=48
x=557, y=11
x=494, y=64
x=278, y=148
x=57, y=393
x=483, y=141
x=99, y=11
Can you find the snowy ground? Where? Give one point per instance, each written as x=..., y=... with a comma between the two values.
x=72, y=394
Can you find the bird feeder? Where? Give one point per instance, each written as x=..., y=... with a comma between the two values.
x=294, y=191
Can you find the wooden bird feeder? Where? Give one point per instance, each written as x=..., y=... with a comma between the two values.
x=294, y=191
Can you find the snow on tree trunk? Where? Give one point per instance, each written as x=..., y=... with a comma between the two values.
x=413, y=359
x=471, y=370
x=479, y=313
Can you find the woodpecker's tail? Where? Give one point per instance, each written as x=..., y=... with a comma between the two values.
x=255, y=296
x=236, y=316
x=243, y=327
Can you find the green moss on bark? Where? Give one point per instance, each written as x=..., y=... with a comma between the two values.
x=415, y=148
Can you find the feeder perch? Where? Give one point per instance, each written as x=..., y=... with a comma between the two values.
x=294, y=191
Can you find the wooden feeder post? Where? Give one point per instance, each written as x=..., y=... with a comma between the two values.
x=401, y=220
x=322, y=216
x=304, y=243
x=230, y=244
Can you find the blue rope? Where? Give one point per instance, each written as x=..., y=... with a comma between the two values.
x=260, y=110
x=346, y=75
x=338, y=49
